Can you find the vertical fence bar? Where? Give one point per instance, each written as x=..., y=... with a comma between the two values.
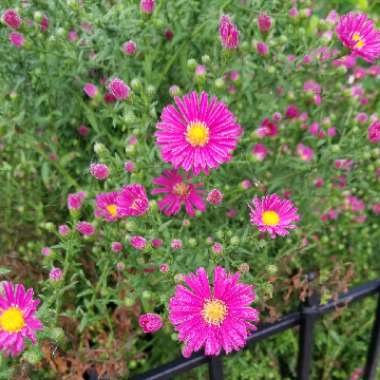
x=374, y=347
x=215, y=368
x=309, y=313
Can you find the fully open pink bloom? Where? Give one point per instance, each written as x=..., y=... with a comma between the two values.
x=85, y=228
x=228, y=33
x=264, y=23
x=305, y=152
x=18, y=319
x=132, y=200
x=75, y=200
x=106, y=206
x=129, y=47
x=358, y=33
x=147, y=6
x=374, y=132
x=150, y=322
x=90, y=89
x=179, y=191
x=216, y=317
x=16, y=39
x=118, y=89
x=200, y=135
x=11, y=18
x=273, y=214
x=267, y=129
x=99, y=171
x=259, y=151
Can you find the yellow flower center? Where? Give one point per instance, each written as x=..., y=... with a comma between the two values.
x=112, y=209
x=12, y=320
x=214, y=312
x=360, y=42
x=270, y=218
x=181, y=189
x=197, y=133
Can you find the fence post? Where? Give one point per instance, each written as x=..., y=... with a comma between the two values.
x=306, y=333
x=374, y=347
x=215, y=368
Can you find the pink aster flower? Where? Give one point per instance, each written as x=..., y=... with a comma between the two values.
x=215, y=197
x=292, y=111
x=46, y=251
x=118, y=89
x=273, y=214
x=44, y=24
x=147, y=6
x=85, y=228
x=109, y=98
x=264, y=23
x=262, y=49
x=199, y=136
x=99, y=171
x=259, y=151
x=157, y=243
x=55, y=274
x=150, y=322
x=267, y=129
x=75, y=200
x=358, y=33
x=176, y=244
x=90, y=89
x=72, y=36
x=132, y=200
x=83, y=130
x=16, y=39
x=374, y=132
x=129, y=166
x=228, y=33
x=344, y=164
x=106, y=207
x=376, y=208
x=179, y=191
x=354, y=203
x=18, y=319
x=217, y=248
x=11, y=18
x=138, y=242
x=305, y=152
x=216, y=317
x=129, y=47
x=164, y=268
x=116, y=246
x=64, y=230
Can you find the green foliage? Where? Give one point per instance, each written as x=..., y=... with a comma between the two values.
x=91, y=315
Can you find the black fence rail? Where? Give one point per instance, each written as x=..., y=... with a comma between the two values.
x=306, y=318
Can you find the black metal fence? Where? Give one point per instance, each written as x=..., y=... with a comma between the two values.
x=306, y=318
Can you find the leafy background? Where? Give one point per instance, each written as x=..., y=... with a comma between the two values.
x=91, y=316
